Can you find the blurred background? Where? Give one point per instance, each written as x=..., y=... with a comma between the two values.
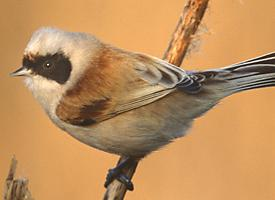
x=229, y=153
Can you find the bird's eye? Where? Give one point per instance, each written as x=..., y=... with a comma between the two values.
x=48, y=65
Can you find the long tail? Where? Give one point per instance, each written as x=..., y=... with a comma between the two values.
x=251, y=74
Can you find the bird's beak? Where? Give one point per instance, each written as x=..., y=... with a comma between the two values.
x=22, y=71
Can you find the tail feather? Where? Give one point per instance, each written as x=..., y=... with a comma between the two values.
x=257, y=60
x=250, y=74
x=253, y=85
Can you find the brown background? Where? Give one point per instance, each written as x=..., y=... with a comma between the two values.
x=228, y=155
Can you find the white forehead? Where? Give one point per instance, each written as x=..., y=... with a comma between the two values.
x=49, y=40
x=80, y=48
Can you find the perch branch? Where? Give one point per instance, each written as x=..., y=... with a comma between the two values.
x=186, y=28
x=16, y=189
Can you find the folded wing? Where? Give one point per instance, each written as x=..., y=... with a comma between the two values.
x=118, y=84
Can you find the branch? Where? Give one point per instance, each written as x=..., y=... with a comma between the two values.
x=16, y=189
x=186, y=28
x=117, y=190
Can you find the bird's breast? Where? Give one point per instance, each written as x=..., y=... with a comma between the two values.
x=136, y=132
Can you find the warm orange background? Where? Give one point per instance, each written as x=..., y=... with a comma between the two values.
x=230, y=152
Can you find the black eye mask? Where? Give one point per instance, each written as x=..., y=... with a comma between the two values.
x=55, y=67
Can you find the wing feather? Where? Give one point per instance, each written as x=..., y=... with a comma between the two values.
x=118, y=84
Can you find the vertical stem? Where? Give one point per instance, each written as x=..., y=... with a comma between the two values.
x=187, y=26
x=116, y=190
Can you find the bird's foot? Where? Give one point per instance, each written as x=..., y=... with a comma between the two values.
x=117, y=173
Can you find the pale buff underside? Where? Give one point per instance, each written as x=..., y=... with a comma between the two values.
x=143, y=130
x=133, y=133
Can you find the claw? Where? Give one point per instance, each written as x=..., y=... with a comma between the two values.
x=126, y=181
x=117, y=173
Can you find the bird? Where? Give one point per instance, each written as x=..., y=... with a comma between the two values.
x=123, y=102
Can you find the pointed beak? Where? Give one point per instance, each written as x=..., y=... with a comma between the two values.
x=22, y=71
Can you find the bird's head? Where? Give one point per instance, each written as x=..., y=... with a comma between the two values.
x=54, y=60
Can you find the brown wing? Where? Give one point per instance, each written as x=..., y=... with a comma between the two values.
x=117, y=82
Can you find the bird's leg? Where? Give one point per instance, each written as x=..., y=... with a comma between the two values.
x=117, y=173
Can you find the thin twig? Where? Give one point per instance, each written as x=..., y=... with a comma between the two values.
x=186, y=28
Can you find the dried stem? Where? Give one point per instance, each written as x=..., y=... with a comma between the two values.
x=16, y=189
x=186, y=28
